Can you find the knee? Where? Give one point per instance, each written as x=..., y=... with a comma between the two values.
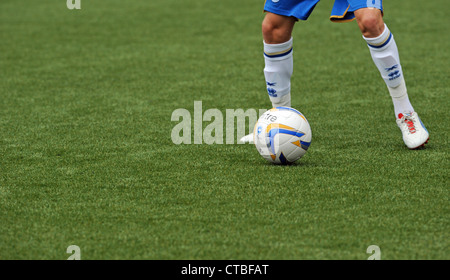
x=274, y=32
x=268, y=28
x=371, y=24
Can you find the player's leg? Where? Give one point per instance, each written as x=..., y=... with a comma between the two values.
x=279, y=63
x=278, y=58
x=277, y=29
x=386, y=57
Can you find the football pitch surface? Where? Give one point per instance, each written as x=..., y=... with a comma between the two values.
x=87, y=159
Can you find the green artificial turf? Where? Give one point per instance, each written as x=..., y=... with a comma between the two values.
x=86, y=156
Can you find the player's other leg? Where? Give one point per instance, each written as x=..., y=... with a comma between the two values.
x=385, y=55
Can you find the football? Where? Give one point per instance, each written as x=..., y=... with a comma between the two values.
x=282, y=135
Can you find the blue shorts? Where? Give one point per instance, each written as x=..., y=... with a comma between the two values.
x=301, y=9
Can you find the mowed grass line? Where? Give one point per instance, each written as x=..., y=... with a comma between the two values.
x=87, y=159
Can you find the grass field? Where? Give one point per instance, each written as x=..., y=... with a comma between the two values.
x=86, y=156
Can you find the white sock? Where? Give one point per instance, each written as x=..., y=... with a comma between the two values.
x=400, y=99
x=385, y=55
x=279, y=66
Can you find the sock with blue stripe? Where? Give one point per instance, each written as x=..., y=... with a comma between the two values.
x=278, y=70
x=385, y=55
